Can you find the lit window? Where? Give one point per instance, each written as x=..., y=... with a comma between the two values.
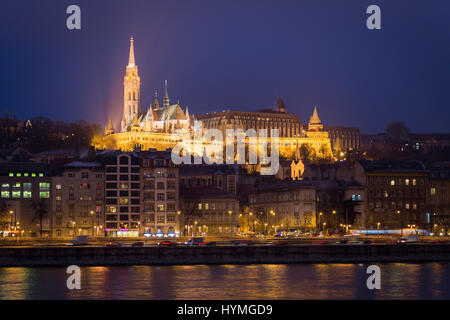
x=44, y=194
x=406, y=182
x=206, y=206
x=44, y=186
x=16, y=194
x=5, y=194
x=5, y=185
x=41, y=174
x=392, y=182
x=123, y=200
x=160, y=207
x=414, y=182
x=433, y=191
x=11, y=174
x=25, y=174
x=33, y=174
x=18, y=175
x=407, y=205
x=27, y=194
x=200, y=206
x=58, y=187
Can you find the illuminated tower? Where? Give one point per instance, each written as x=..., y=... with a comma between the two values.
x=131, y=86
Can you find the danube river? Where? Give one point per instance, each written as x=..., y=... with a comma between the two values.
x=292, y=281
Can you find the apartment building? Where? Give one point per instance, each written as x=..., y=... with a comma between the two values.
x=77, y=201
x=160, y=194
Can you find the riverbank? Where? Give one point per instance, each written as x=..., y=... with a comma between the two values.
x=116, y=256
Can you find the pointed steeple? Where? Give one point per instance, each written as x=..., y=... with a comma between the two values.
x=166, y=96
x=135, y=121
x=110, y=128
x=155, y=102
x=187, y=113
x=131, y=62
x=314, y=122
x=315, y=116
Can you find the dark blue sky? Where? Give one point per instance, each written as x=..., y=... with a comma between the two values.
x=234, y=54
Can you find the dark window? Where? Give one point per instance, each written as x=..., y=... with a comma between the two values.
x=111, y=186
x=135, y=169
x=123, y=169
x=135, y=193
x=123, y=217
x=123, y=209
x=124, y=193
x=134, y=201
x=135, y=177
x=112, y=217
x=135, y=186
x=111, y=225
x=123, y=177
x=111, y=201
x=111, y=177
x=135, y=209
x=111, y=169
x=123, y=160
x=111, y=193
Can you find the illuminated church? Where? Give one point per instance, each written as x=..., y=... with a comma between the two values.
x=156, y=118
x=155, y=127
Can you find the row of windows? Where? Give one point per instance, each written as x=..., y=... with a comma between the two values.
x=26, y=174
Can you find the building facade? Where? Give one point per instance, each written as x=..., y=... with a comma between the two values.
x=207, y=210
x=78, y=200
x=396, y=194
x=160, y=194
x=26, y=191
x=284, y=207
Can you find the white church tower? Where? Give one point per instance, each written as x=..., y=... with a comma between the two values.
x=131, y=85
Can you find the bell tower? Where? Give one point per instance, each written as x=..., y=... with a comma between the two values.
x=131, y=93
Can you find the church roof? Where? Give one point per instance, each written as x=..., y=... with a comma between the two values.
x=173, y=112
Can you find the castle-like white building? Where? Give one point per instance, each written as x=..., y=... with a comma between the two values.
x=156, y=118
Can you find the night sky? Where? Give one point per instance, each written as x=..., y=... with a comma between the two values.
x=234, y=54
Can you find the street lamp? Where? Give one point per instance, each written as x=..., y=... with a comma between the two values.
x=401, y=223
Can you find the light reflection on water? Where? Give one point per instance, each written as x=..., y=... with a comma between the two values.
x=301, y=281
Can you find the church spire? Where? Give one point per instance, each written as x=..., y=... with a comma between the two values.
x=314, y=122
x=155, y=102
x=315, y=116
x=166, y=96
x=131, y=62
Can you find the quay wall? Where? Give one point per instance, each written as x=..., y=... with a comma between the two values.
x=109, y=256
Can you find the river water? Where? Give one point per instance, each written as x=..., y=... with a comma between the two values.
x=291, y=281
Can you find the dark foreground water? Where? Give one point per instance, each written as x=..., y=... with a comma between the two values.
x=301, y=281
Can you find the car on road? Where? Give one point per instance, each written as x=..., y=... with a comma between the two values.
x=195, y=241
x=81, y=241
x=345, y=241
x=138, y=244
x=365, y=241
x=239, y=243
x=167, y=243
x=276, y=243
